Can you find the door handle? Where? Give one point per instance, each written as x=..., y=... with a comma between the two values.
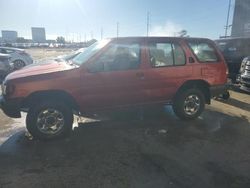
x=140, y=75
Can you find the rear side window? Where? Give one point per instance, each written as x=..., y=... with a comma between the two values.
x=204, y=51
x=166, y=54
x=6, y=51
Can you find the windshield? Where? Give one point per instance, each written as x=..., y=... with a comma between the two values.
x=89, y=52
x=221, y=45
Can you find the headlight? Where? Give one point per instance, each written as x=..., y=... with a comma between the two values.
x=4, y=89
x=243, y=65
x=7, y=89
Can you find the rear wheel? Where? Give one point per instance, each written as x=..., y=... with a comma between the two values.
x=189, y=104
x=226, y=95
x=49, y=120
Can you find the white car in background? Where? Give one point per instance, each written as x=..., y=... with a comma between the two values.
x=18, y=57
x=70, y=56
x=5, y=66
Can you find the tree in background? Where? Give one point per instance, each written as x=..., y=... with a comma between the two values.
x=60, y=40
x=183, y=33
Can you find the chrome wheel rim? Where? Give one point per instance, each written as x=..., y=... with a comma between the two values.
x=192, y=105
x=50, y=121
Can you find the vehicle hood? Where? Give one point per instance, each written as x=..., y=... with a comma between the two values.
x=40, y=68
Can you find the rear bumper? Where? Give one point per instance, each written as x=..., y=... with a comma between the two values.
x=218, y=90
x=11, y=108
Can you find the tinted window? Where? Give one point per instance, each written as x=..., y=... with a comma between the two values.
x=166, y=54
x=118, y=57
x=9, y=51
x=204, y=51
x=3, y=51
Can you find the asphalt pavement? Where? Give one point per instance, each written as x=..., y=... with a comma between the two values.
x=128, y=148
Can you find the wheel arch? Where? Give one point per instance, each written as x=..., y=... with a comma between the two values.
x=51, y=94
x=199, y=84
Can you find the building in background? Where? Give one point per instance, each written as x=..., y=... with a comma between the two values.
x=9, y=36
x=38, y=34
x=241, y=19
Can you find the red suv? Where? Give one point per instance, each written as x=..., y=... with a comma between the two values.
x=119, y=72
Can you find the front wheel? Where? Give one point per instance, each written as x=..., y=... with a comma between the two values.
x=49, y=120
x=189, y=104
x=18, y=64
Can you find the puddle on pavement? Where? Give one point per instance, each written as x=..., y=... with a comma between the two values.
x=11, y=127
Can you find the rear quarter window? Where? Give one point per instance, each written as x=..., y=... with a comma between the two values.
x=204, y=51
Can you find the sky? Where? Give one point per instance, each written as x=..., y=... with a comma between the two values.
x=75, y=19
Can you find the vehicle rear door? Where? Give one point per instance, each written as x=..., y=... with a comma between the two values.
x=167, y=68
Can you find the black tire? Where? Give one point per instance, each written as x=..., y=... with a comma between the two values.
x=2, y=76
x=18, y=64
x=226, y=95
x=179, y=103
x=38, y=109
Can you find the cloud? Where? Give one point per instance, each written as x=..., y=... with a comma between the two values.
x=169, y=29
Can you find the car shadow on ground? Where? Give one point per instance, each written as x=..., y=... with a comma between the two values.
x=134, y=148
x=236, y=103
x=236, y=88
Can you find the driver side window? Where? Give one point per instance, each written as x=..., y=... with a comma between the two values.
x=118, y=57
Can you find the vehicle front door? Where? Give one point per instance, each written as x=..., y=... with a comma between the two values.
x=114, y=78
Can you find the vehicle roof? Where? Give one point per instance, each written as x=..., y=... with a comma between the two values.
x=159, y=38
x=232, y=38
x=9, y=48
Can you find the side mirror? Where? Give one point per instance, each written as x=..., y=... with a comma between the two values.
x=191, y=60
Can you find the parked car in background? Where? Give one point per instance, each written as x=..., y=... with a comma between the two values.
x=244, y=76
x=5, y=66
x=234, y=51
x=114, y=73
x=71, y=55
x=18, y=57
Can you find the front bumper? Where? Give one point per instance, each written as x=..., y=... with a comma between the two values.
x=10, y=108
x=215, y=91
x=245, y=83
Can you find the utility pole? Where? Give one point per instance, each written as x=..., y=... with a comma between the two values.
x=117, y=29
x=91, y=35
x=101, y=33
x=228, y=14
x=148, y=23
x=85, y=38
